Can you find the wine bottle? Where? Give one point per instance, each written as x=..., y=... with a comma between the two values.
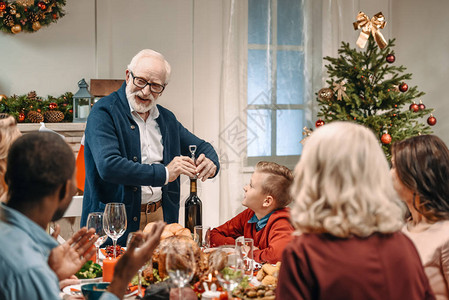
x=193, y=208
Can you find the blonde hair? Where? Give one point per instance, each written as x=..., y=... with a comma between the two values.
x=277, y=183
x=9, y=132
x=150, y=54
x=342, y=184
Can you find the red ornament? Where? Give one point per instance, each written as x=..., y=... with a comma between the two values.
x=21, y=117
x=421, y=105
x=414, y=107
x=403, y=87
x=70, y=110
x=390, y=58
x=38, y=110
x=386, y=138
x=2, y=6
x=431, y=120
x=319, y=123
x=52, y=105
x=55, y=16
x=42, y=5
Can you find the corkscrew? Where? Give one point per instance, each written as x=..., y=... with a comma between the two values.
x=192, y=149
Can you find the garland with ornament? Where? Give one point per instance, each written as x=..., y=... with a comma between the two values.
x=29, y=15
x=30, y=108
x=366, y=87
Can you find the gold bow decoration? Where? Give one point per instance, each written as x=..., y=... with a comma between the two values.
x=396, y=88
x=306, y=132
x=340, y=89
x=368, y=27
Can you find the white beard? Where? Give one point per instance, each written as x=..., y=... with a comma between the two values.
x=137, y=106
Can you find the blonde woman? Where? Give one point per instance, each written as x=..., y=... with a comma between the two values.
x=9, y=132
x=420, y=171
x=349, y=219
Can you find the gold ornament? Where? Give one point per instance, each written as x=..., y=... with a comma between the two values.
x=36, y=26
x=16, y=29
x=3, y=97
x=17, y=15
x=368, y=27
x=306, y=132
x=325, y=94
x=340, y=89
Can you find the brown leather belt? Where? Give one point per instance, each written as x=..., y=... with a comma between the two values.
x=150, y=207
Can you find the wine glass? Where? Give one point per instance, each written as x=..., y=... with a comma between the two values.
x=230, y=267
x=143, y=267
x=95, y=220
x=114, y=222
x=180, y=265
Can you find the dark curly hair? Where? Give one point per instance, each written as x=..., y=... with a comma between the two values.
x=38, y=164
x=422, y=165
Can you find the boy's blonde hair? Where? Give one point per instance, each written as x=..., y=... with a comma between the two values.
x=278, y=182
x=9, y=132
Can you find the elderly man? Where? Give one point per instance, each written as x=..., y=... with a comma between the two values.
x=135, y=150
x=41, y=180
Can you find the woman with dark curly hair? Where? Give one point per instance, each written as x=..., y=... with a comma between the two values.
x=420, y=170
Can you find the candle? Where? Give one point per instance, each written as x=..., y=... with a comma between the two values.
x=83, y=111
x=108, y=269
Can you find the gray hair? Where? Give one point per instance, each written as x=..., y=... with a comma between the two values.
x=343, y=186
x=151, y=54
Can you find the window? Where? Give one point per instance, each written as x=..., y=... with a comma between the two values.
x=276, y=81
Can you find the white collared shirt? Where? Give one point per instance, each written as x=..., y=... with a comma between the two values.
x=151, y=149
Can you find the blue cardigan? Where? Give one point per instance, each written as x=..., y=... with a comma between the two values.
x=114, y=172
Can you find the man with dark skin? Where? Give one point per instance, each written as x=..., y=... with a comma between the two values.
x=41, y=180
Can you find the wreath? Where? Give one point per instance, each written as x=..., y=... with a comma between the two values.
x=29, y=15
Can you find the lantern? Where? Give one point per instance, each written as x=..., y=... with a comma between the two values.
x=82, y=102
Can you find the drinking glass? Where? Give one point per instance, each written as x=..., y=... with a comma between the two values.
x=180, y=265
x=95, y=220
x=201, y=236
x=143, y=267
x=114, y=222
x=246, y=246
x=230, y=271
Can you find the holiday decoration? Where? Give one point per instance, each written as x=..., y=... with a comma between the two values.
x=372, y=27
x=372, y=94
x=35, y=117
x=421, y=105
x=385, y=139
x=21, y=117
x=414, y=107
x=390, y=58
x=53, y=116
x=32, y=108
x=403, y=87
x=431, y=120
x=2, y=97
x=340, y=89
x=326, y=94
x=28, y=15
x=52, y=105
x=319, y=123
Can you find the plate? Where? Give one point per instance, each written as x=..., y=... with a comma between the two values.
x=90, y=280
x=76, y=290
x=72, y=289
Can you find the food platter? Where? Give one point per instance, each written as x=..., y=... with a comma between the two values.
x=76, y=290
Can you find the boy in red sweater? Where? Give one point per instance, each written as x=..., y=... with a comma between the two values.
x=267, y=219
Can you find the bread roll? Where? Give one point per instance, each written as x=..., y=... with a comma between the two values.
x=185, y=232
x=173, y=227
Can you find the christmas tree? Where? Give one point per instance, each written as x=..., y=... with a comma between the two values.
x=367, y=87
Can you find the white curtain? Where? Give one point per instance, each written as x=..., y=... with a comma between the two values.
x=232, y=143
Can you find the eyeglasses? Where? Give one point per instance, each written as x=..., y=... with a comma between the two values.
x=142, y=83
